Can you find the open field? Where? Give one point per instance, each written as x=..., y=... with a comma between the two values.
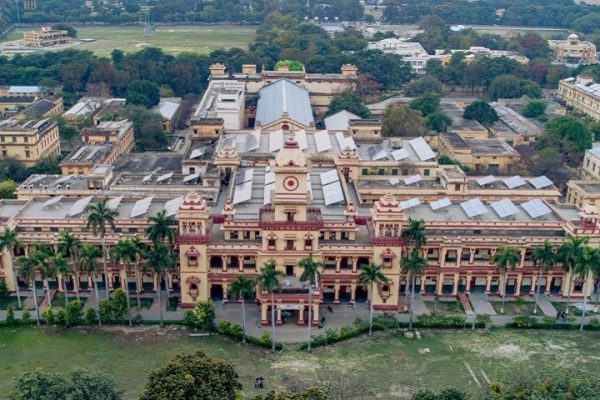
x=172, y=39
x=386, y=367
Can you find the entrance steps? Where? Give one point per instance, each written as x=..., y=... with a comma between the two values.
x=466, y=304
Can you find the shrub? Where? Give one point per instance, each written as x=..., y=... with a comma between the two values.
x=105, y=311
x=3, y=290
x=60, y=317
x=223, y=327
x=48, y=316
x=138, y=320
x=483, y=320
x=26, y=316
x=265, y=339
x=10, y=316
x=547, y=320
x=594, y=323
x=524, y=322
x=189, y=319
x=435, y=320
x=74, y=313
x=519, y=301
x=118, y=305
x=90, y=316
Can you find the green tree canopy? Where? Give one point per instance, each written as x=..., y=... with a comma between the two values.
x=425, y=84
x=76, y=385
x=348, y=101
x=144, y=93
x=569, y=136
x=534, y=108
x=292, y=65
x=71, y=32
x=427, y=103
x=193, y=377
x=7, y=189
x=481, y=112
x=438, y=121
x=400, y=120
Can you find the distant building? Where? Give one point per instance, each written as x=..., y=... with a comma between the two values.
x=573, y=51
x=411, y=52
x=112, y=110
x=474, y=53
x=284, y=105
x=591, y=163
x=84, y=107
x=29, y=141
x=46, y=37
x=581, y=93
x=42, y=108
x=168, y=109
x=224, y=100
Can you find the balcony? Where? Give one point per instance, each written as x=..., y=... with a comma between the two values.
x=383, y=240
x=314, y=220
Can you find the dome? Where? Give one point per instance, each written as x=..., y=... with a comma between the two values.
x=573, y=37
x=290, y=155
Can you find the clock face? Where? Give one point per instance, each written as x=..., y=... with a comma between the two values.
x=290, y=183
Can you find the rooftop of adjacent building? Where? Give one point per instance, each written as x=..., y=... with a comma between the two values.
x=88, y=154
x=455, y=112
x=40, y=107
x=167, y=107
x=33, y=127
x=120, y=128
x=210, y=100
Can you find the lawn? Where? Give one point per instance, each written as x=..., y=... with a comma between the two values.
x=514, y=308
x=451, y=307
x=561, y=306
x=385, y=367
x=172, y=39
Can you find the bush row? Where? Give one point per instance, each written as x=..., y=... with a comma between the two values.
x=235, y=331
x=529, y=322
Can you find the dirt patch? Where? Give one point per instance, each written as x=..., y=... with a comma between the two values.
x=295, y=365
x=142, y=334
x=397, y=392
x=512, y=351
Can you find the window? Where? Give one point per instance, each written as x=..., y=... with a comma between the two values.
x=365, y=171
x=4, y=153
x=132, y=230
x=26, y=139
x=234, y=234
x=289, y=245
x=426, y=172
x=290, y=216
x=381, y=171
x=53, y=229
x=394, y=171
x=193, y=260
x=271, y=244
x=37, y=229
x=27, y=154
x=456, y=187
x=14, y=139
x=192, y=170
x=2, y=140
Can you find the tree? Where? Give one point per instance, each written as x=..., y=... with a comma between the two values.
x=415, y=233
x=590, y=262
x=61, y=266
x=481, y=112
x=534, y=108
x=400, y=120
x=27, y=269
x=8, y=241
x=505, y=258
x=426, y=103
x=161, y=229
x=412, y=266
x=292, y=65
x=42, y=253
x=571, y=254
x=193, y=376
x=269, y=281
x=68, y=245
x=425, y=84
x=505, y=87
x=71, y=32
x=100, y=217
x=569, y=136
x=348, y=101
x=7, y=189
x=159, y=260
x=438, y=121
x=544, y=257
x=125, y=252
x=241, y=288
x=147, y=129
x=88, y=262
x=312, y=275
x=144, y=93
x=446, y=394
x=76, y=385
x=371, y=275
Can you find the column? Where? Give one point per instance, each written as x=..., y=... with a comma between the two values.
x=264, y=314
x=225, y=286
x=534, y=279
x=241, y=263
x=548, y=284
x=522, y=260
x=315, y=314
x=459, y=252
x=301, y=316
x=518, y=284
x=338, y=262
x=442, y=259
x=224, y=258
x=123, y=274
x=60, y=284
x=423, y=279
x=353, y=293
x=455, y=287
x=155, y=283
x=471, y=256
x=336, y=297
x=468, y=287
x=488, y=284
x=440, y=284
x=354, y=262
x=278, y=316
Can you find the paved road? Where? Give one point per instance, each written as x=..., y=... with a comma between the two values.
x=481, y=304
x=546, y=307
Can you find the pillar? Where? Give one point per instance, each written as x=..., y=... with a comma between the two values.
x=471, y=256
x=241, y=263
x=455, y=287
x=488, y=284
x=336, y=296
x=518, y=284
x=353, y=293
x=354, y=262
x=338, y=261
x=315, y=314
x=440, y=284
x=468, y=287
x=459, y=256
x=60, y=284
x=522, y=258
x=534, y=279
x=442, y=256
x=277, y=315
x=224, y=258
x=264, y=319
x=423, y=279
x=548, y=283
x=155, y=283
x=225, y=287
x=124, y=283
x=301, y=316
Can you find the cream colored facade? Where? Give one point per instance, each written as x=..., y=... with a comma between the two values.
x=29, y=141
x=45, y=37
x=581, y=93
x=573, y=51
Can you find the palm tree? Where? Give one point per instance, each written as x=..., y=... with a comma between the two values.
x=506, y=258
x=161, y=229
x=100, y=218
x=370, y=274
x=61, y=265
x=160, y=261
x=41, y=254
x=88, y=262
x=571, y=253
x=28, y=266
x=310, y=274
x=412, y=266
x=269, y=281
x=125, y=252
x=415, y=233
x=241, y=288
x=8, y=241
x=68, y=245
x=140, y=248
x=590, y=262
x=545, y=258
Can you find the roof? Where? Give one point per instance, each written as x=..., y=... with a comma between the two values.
x=84, y=107
x=39, y=108
x=168, y=107
x=595, y=152
x=282, y=97
x=339, y=121
x=27, y=89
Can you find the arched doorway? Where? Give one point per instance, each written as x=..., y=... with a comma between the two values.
x=216, y=292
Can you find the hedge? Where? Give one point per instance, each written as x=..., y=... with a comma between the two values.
x=529, y=322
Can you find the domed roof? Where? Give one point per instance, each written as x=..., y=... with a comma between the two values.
x=290, y=155
x=573, y=36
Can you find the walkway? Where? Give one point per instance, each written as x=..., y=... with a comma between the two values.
x=481, y=304
x=418, y=305
x=546, y=307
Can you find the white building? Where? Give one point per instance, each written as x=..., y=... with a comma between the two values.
x=223, y=99
x=412, y=52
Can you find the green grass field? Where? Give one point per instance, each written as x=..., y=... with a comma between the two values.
x=385, y=367
x=172, y=39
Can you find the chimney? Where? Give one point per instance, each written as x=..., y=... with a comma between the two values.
x=349, y=70
x=249, y=69
x=217, y=69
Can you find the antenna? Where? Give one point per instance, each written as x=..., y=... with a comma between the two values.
x=18, y=13
x=148, y=28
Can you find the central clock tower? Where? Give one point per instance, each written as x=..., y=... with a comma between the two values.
x=290, y=197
